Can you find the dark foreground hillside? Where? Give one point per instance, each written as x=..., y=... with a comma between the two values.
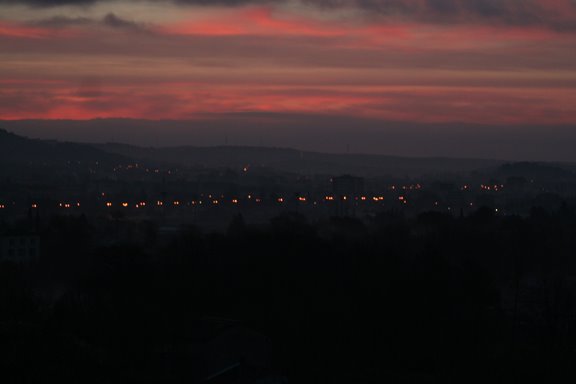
x=435, y=299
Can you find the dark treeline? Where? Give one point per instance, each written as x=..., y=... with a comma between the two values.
x=432, y=299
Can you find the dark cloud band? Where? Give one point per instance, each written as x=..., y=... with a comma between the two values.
x=110, y=20
x=509, y=12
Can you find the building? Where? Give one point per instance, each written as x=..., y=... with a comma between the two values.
x=346, y=190
x=347, y=186
x=19, y=248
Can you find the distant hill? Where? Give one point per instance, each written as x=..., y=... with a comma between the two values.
x=22, y=151
x=319, y=133
x=291, y=160
x=540, y=171
x=18, y=150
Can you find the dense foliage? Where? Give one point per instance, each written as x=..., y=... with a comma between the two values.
x=431, y=299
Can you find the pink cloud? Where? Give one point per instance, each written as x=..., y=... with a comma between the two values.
x=264, y=21
x=22, y=31
x=401, y=103
x=258, y=59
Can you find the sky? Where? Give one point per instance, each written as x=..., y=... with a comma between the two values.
x=497, y=63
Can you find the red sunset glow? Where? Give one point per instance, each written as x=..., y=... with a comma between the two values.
x=421, y=66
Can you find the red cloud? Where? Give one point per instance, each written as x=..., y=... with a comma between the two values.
x=258, y=60
x=24, y=31
x=401, y=103
x=263, y=21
